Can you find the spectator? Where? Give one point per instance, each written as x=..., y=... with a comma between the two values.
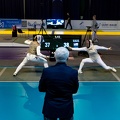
x=94, y=28
x=59, y=82
x=68, y=21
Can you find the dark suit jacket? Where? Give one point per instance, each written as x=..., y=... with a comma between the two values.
x=59, y=82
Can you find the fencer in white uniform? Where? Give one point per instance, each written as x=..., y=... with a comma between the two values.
x=94, y=57
x=34, y=54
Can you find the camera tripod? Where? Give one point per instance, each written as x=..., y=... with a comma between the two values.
x=42, y=29
x=87, y=35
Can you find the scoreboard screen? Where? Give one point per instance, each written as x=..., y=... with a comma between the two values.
x=51, y=42
x=55, y=23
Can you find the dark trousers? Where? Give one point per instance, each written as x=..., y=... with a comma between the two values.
x=68, y=23
x=45, y=118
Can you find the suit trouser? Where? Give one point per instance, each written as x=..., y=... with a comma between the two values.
x=68, y=23
x=94, y=35
x=45, y=118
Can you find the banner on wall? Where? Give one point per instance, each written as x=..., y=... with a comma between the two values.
x=103, y=25
x=108, y=25
x=76, y=24
x=37, y=23
x=80, y=24
x=8, y=23
x=1, y=24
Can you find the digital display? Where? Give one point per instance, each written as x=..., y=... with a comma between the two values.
x=54, y=41
x=55, y=23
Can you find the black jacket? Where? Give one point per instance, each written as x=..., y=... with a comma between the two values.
x=59, y=82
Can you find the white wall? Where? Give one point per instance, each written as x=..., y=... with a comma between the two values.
x=79, y=24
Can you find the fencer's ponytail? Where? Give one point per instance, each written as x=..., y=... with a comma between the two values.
x=35, y=38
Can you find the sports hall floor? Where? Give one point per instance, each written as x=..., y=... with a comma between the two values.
x=98, y=95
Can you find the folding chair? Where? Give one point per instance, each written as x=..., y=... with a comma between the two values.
x=20, y=32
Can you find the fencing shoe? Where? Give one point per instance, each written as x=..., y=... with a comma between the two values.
x=14, y=74
x=114, y=70
x=80, y=71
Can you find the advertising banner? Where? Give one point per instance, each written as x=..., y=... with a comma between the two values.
x=103, y=24
x=8, y=23
x=108, y=25
x=76, y=24
x=80, y=24
x=37, y=23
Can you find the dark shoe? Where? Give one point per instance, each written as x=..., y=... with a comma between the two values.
x=96, y=40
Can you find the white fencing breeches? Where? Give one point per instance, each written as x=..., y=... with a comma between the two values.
x=31, y=57
x=98, y=60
